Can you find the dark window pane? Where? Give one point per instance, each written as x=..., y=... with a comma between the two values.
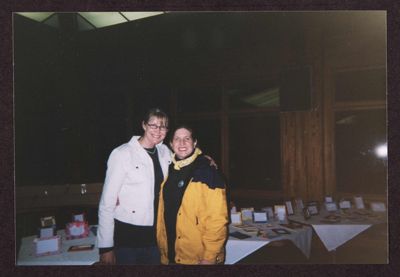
x=368, y=84
x=71, y=143
x=199, y=100
x=261, y=95
x=254, y=152
x=208, y=136
x=359, y=166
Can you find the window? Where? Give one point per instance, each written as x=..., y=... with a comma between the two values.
x=361, y=85
x=361, y=151
x=360, y=131
x=257, y=96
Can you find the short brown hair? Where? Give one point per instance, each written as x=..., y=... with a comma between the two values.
x=155, y=112
x=187, y=127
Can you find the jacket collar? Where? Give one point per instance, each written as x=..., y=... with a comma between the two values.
x=134, y=142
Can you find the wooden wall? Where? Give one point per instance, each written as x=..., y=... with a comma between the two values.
x=301, y=131
x=301, y=144
x=307, y=138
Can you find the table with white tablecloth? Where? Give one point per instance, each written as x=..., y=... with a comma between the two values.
x=26, y=252
x=236, y=249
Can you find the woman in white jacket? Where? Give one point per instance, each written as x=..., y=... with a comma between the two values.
x=129, y=201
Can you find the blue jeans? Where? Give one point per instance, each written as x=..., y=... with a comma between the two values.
x=138, y=255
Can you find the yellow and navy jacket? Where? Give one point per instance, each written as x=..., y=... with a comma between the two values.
x=202, y=219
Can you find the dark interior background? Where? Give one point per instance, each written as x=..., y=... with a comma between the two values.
x=311, y=133
x=80, y=94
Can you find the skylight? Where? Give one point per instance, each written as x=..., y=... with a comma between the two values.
x=36, y=16
x=103, y=19
x=139, y=15
x=90, y=20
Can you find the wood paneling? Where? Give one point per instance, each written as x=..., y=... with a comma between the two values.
x=302, y=142
x=302, y=171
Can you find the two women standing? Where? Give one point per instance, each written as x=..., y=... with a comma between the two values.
x=188, y=203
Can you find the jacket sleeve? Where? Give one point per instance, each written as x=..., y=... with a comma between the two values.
x=114, y=178
x=215, y=220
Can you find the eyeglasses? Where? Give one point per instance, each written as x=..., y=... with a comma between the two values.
x=155, y=127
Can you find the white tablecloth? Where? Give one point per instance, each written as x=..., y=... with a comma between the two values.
x=334, y=235
x=238, y=249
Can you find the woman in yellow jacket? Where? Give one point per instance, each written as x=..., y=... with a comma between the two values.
x=192, y=215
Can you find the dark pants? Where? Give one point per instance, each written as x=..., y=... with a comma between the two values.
x=138, y=255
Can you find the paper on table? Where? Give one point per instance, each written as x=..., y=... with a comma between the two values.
x=47, y=232
x=299, y=204
x=345, y=204
x=331, y=206
x=328, y=199
x=260, y=217
x=236, y=218
x=79, y=217
x=378, y=207
x=289, y=207
x=359, y=202
x=280, y=211
x=247, y=214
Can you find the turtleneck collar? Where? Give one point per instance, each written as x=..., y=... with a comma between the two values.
x=178, y=164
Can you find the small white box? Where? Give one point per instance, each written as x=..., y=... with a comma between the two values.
x=236, y=218
x=260, y=217
x=79, y=217
x=247, y=214
x=47, y=246
x=313, y=209
x=289, y=207
x=331, y=206
x=344, y=204
x=359, y=202
x=328, y=199
x=47, y=232
x=299, y=204
x=280, y=212
x=378, y=206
